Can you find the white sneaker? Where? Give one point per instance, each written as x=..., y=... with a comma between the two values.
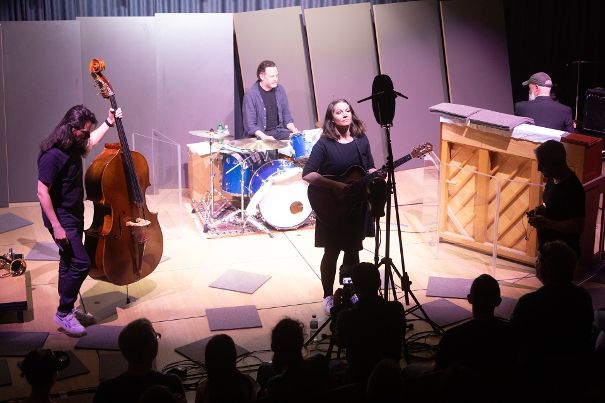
x=70, y=325
x=328, y=303
x=85, y=318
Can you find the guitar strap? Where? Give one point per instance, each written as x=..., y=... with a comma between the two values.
x=361, y=159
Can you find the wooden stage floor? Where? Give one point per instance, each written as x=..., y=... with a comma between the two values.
x=175, y=296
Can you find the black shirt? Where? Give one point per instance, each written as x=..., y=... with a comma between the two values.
x=373, y=329
x=329, y=157
x=478, y=344
x=62, y=171
x=270, y=109
x=552, y=324
x=129, y=388
x=563, y=201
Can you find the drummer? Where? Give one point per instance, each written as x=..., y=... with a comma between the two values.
x=265, y=110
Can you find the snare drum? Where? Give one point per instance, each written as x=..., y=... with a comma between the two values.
x=280, y=194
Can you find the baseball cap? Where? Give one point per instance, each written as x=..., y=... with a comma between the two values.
x=542, y=79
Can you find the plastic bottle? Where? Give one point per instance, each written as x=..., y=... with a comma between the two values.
x=313, y=326
x=219, y=127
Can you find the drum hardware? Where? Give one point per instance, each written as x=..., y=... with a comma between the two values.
x=240, y=216
x=209, y=207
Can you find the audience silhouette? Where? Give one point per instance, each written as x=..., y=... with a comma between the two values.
x=485, y=342
x=372, y=329
x=553, y=325
x=225, y=383
x=138, y=343
x=291, y=378
x=40, y=370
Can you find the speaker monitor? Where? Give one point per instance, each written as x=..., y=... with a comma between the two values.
x=594, y=110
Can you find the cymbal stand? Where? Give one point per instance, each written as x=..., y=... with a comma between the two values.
x=208, y=206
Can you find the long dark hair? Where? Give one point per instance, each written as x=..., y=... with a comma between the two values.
x=62, y=137
x=357, y=128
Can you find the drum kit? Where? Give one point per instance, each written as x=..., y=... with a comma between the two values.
x=256, y=188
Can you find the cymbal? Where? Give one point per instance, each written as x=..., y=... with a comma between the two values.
x=259, y=145
x=210, y=134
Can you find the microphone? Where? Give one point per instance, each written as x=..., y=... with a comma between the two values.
x=383, y=99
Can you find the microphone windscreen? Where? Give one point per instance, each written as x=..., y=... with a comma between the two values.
x=383, y=104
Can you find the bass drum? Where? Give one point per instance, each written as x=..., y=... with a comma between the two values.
x=280, y=193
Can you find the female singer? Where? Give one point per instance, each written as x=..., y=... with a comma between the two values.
x=343, y=144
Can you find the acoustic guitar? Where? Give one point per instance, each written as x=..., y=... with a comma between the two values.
x=332, y=205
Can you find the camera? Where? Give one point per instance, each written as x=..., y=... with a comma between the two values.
x=344, y=275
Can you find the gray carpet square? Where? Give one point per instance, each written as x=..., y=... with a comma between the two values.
x=75, y=367
x=240, y=281
x=445, y=287
x=10, y=221
x=47, y=250
x=196, y=351
x=100, y=337
x=5, y=374
x=18, y=344
x=444, y=312
x=234, y=317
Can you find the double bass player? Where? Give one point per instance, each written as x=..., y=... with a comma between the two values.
x=61, y=195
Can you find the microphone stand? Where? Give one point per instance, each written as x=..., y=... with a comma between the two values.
x=389, y=266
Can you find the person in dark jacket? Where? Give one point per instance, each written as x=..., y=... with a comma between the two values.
x=544, y=110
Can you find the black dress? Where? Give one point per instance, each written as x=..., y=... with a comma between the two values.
x=329, y=157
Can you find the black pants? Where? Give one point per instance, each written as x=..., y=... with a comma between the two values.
x=328, y=267
x=74, y=266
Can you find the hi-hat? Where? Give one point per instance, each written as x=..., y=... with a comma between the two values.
x=259, y=145
x=210, y=134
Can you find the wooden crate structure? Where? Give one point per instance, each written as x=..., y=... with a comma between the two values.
x=489, y=180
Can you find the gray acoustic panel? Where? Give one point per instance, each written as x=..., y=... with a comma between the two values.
x=194, y=74
x=410, y=51
x=127, y=45
x=3, y=156
x=343, y=60
x=43, y=79
x=280, y=33
x=476, y=54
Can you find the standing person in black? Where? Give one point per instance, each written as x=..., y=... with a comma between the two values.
x=544, y=110
x=342, y=145
x=561, y=216
x=61, y=195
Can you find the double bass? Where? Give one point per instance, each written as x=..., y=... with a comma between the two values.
x=124, y=241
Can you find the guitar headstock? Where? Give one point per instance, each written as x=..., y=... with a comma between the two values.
x=96, y=67
x=421, y=150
